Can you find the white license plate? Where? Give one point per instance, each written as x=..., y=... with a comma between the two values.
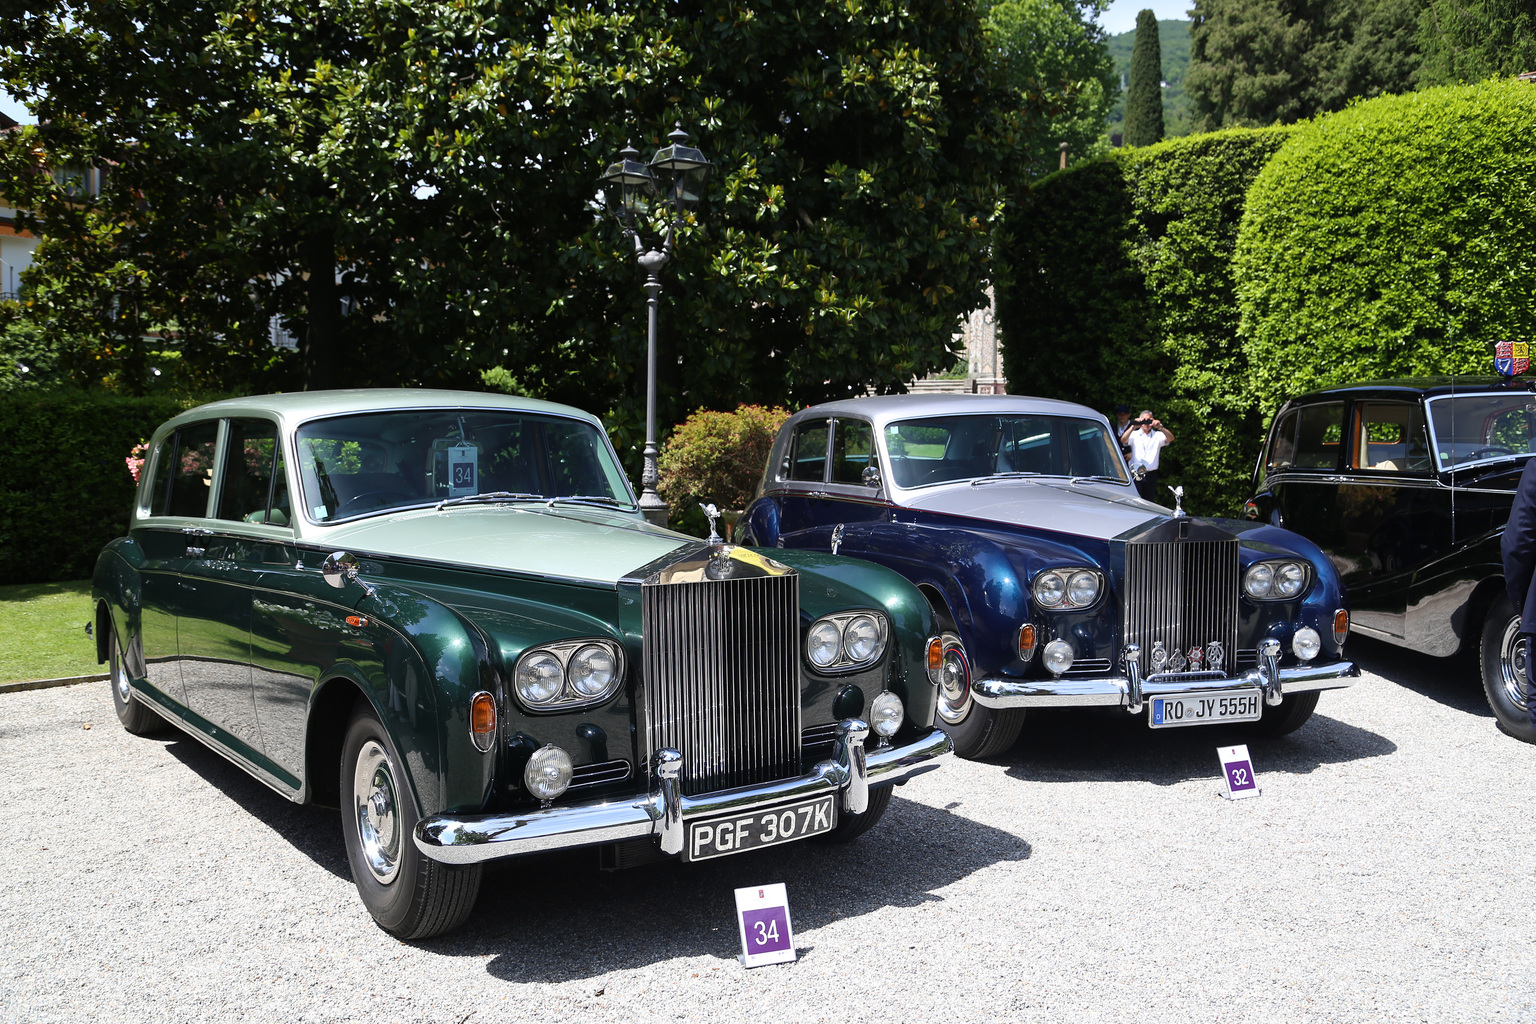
x=1206, y=708
x=720, y=837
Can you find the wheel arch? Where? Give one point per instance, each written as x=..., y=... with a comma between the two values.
x=330, y=710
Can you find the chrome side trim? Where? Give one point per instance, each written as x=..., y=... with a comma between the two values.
x=664, y=812
x=1114, y=691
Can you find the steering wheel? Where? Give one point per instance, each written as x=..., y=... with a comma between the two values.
x=1493, y=449
x=379, y=498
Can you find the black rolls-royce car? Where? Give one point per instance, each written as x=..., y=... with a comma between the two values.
x=1406, y=485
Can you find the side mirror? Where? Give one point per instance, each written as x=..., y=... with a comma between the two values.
x=871, y=476
x=340, y=568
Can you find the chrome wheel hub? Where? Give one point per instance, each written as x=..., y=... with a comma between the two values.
x=120, y=677
x=1514, y=665
x=376, y=805
x=954, y=689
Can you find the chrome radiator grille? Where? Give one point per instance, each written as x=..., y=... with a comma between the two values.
x=1184, y=594
x=722, y=678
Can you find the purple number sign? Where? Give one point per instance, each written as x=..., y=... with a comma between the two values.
x=767, y=929
x=1240, y=776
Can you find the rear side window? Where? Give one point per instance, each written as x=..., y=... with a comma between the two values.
x=1319, y=436
x=851, y=451
x=808, y=457
x=1391, y=438
x=250, y=453
x=187, y=458
x=1282, y=445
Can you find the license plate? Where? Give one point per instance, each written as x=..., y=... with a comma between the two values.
x=1206, y=708
x=720, y=837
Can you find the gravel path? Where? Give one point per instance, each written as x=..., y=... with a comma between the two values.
x=1091, y=874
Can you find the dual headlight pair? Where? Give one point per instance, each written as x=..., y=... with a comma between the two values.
x=846, y=641
x=568, y=675
x=1067, y=588
x=1279, y=580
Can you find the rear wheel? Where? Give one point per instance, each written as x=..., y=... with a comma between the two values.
x=1286, y=717
x=1505, y=664
x=976, y=731
x=136, y=718
x=851, y=826
x=408, y=894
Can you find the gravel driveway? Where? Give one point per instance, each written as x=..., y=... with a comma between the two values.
x=1090, y=874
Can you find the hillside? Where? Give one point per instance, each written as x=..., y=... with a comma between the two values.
x=1174, y=37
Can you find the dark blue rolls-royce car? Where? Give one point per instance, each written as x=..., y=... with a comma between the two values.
x=1406, y=486
x=1055, y=584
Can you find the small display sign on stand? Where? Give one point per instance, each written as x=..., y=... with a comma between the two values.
x=1237, y=772
x=762, y=917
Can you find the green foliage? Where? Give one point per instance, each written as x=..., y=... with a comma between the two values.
x=1469, y=40
x=1053, y=55
x=1144, y=94
x=1259, y=62
x=1173, y=40
x=717, y=457
x=1121, y=291
x=433, y=164
x=1392, y=239
x=72, y=489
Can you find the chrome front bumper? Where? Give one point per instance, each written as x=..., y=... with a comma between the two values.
x=664, y=811
x=1131, y=690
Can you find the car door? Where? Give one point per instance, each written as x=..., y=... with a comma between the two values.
x=855, y=495
x=806, y=514
x=1305, y=468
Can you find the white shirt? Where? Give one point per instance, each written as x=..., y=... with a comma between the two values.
x=1146, y=447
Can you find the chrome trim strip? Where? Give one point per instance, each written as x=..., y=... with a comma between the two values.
x=663, y=812
x=1114, y=691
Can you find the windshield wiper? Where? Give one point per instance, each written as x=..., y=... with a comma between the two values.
x=593, y=499
x=1098, y=478
x=1015, y=475
x=490, y=496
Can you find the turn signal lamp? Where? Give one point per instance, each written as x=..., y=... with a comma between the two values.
x=1026, y=641
x=1340, y=626
x=935, y=658
x=482, y=721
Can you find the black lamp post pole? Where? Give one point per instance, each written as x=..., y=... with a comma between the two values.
x=651, y=504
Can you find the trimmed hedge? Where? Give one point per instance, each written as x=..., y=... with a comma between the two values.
x=1394, y=238
x=1117, y=287
x=715, y=457
x=70, y=489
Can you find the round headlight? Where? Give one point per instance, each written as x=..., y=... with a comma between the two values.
x=823, y=644
x=1289, y=577
x=548, y=773
x=1306, y=643
x=861, y=640
x=1259, y=579
x=1057, y=656
x=539, y=678
x=1050, y=589
x=1082, y=589
x=592, y=671
x=886, y=713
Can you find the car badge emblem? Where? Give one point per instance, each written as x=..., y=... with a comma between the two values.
x=1511, y=358
x=1195, y=657
x=1215, y=657
x=1159, y=656
x=712, y=514
x=837, y=537
x=1176, y=663
x=1178, y=500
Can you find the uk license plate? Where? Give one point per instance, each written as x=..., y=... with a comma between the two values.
x=719, y=837
x=1206, y=708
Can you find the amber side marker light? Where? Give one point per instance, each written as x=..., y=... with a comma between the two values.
x=935, y=658
x=1340, y=626
x=357, y=621
x=482, y=720
x=1026, y=641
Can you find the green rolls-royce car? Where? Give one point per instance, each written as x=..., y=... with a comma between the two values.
x=443, y=613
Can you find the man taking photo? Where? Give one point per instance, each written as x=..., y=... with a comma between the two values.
x=1147, y=437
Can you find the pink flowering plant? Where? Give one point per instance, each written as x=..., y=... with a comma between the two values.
x=135, y=459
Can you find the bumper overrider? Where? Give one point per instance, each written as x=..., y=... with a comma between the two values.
x=1131, y=690
x=664, y=812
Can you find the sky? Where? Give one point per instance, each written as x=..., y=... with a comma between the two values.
x=1121, y=16
x=15, y=109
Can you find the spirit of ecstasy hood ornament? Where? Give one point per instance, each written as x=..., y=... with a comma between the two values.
x=712, y=514
x=1178, y=500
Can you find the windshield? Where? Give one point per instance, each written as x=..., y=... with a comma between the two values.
x=945, y=448
x=1476, y=428
x=356, y=465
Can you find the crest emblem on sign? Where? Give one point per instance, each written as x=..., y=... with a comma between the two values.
x=1511, y=358
x=1195, y=657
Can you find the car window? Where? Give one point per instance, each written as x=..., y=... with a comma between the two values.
x=191, y=462
x=1319, y=435
x=852, y=443
x=1390, y=437
x=943, y=449
x=1475, y=428
x=1282, y=445
x=356, y=465
x=163, y=460
x=250, y=453
x=808, y=456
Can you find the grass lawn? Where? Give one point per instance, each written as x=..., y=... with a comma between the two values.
x=42, y=631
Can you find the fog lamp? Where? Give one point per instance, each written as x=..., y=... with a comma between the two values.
x=886, y=713
x=548, y=773
x=1057, y=656
x=1306, y=643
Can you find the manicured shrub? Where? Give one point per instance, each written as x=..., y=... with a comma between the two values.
x=70, y=489
x=718, y=458
x=1392, y=239
x=1117, y=287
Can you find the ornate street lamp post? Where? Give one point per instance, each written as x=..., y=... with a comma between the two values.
x=674, y=180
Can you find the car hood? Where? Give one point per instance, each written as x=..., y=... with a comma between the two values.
x=1101, y=511
x=566, y=542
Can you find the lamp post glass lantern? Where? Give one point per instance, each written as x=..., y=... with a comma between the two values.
x=673, y=181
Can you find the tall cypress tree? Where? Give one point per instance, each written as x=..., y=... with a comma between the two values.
x=1144, y=94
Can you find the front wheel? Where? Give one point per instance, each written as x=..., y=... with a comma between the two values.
x=1505, y=667
x=976, y=731
x=408, y=894
x=1286, y=717
x=136, y=718
x=851, y=826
